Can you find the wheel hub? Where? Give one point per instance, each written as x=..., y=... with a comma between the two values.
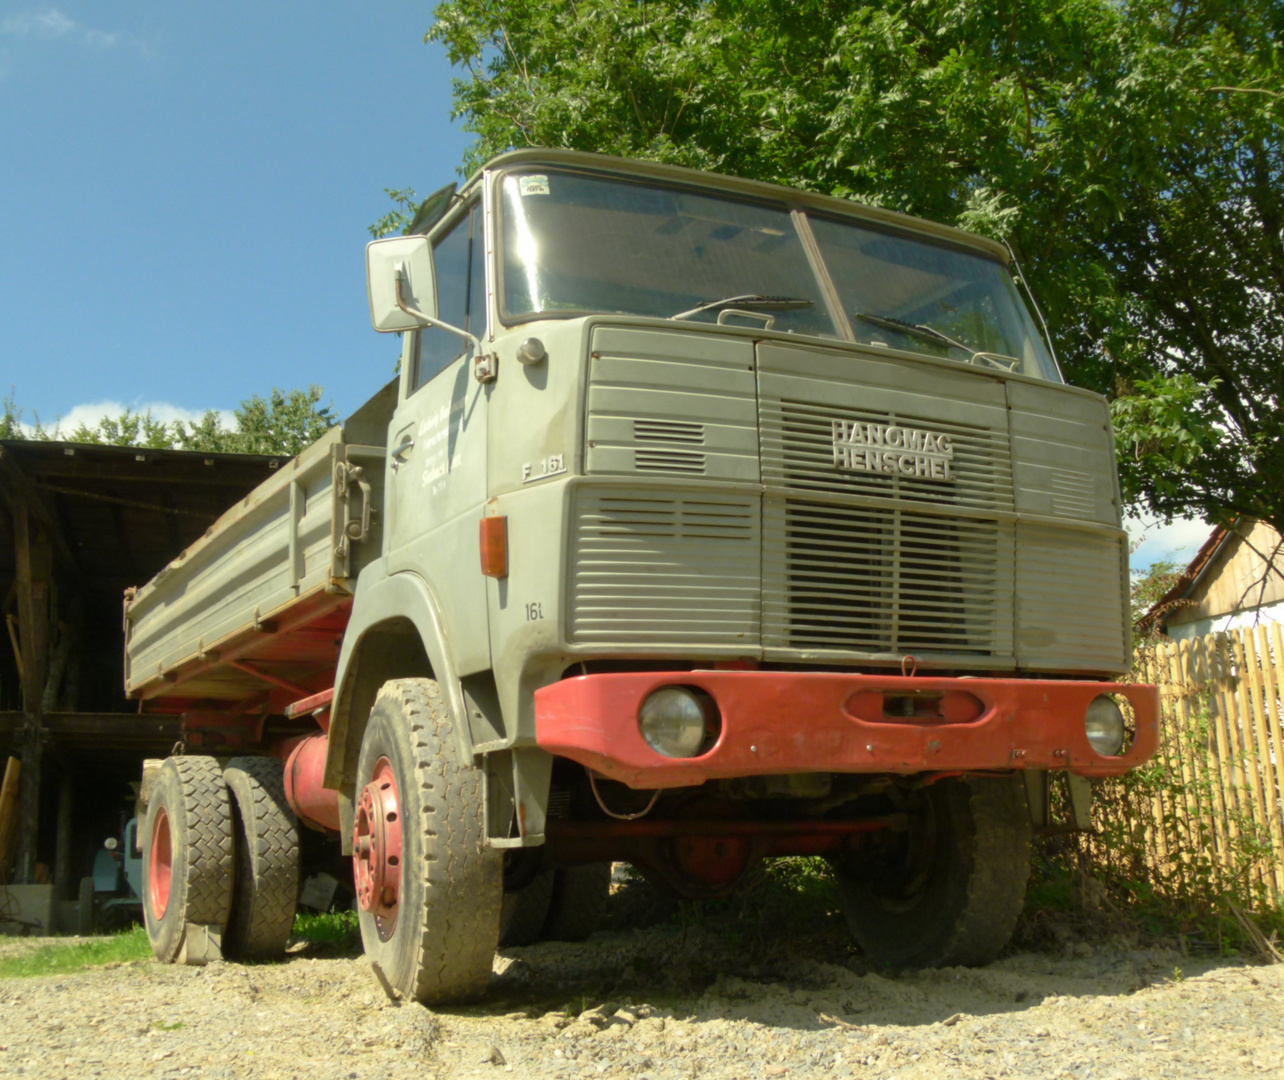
x=376, y=848
x=160, y=865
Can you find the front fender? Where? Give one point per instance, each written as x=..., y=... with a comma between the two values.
x=383, y=599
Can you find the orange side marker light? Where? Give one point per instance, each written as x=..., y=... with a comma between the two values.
x=494, y=546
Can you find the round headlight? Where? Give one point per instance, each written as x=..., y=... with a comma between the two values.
x=1105, y=726
x=673, y=721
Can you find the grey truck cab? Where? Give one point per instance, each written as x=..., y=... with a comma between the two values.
x=716, y=521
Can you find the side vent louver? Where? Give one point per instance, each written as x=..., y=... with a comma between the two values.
x=668, y=431
x=668, y=461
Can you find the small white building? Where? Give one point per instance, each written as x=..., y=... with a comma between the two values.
x=1236, y=580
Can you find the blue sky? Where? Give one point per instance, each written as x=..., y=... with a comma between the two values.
x=185, y=193
x=185, y=190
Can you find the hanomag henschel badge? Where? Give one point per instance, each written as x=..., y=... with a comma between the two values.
x=893, y=450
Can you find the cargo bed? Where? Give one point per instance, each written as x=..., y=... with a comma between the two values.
x=256, y=608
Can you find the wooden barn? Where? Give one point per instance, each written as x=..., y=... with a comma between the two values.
x=78, y=525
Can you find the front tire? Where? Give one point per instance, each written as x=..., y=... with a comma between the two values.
x=187, y=861
x=949, y=890
x=428, y=886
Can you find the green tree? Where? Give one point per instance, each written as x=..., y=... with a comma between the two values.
x=286, y=422
x=396, y=220
x=1128, y=150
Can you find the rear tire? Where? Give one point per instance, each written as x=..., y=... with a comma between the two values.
x=950, y=889
x=267, y=860
x=438, y=946
x=525, y=911
x=580, y=896
x=187, y=861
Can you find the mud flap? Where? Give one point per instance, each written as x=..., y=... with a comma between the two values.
x=202, y=945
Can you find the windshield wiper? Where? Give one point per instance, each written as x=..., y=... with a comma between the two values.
x=753, y=300
x=930, y=333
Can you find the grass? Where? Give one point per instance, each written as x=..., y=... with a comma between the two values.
x=329, y=928
x=120, y=948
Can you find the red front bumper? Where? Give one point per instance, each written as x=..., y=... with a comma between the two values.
x=789, y=722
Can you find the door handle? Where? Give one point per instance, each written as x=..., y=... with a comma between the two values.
x=402, y=449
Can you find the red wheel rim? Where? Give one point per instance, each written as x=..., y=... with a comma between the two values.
x=376, y=848
x=160, y=864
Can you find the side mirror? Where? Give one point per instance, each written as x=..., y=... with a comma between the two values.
x=410, y=259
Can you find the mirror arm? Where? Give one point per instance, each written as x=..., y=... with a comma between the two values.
x=428, y=320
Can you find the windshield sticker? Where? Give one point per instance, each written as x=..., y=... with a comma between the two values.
x=533, y=185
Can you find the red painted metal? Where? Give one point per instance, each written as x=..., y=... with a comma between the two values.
x=160, y=865
x=237, y=728
x=703, y=857
x=313, y=804
x=268, y=677
x=493, y=539
x=309, y=704
x=784, y=722
x=377, y=849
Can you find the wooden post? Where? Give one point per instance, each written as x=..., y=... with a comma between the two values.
x=8, y=814
x=34, y=558
x=65, y=878
x=1263, y=778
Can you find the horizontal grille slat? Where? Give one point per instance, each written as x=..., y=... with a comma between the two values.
x=1072, y=609
x=664, y=568
x=670, y=431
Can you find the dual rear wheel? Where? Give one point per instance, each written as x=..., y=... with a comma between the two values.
x=221, y=861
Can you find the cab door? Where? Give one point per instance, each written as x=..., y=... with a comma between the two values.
x=437, y=446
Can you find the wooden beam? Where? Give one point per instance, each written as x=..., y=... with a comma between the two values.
x=15, y=487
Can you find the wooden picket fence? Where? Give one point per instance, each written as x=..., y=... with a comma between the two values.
x=1206, y=817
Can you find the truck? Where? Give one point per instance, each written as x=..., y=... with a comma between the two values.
x=707, y=521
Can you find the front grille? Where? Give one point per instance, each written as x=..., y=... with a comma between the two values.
x=852, y=578
x=854, y=562
x=659, y=566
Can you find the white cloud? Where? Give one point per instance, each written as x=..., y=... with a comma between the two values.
x=52, y=23
x=90, y=413
x=1179, y=540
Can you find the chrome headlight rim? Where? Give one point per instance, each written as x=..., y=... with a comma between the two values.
x=1106, y=726
x=679, y=721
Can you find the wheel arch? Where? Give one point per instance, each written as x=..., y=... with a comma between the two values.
x=396, y=631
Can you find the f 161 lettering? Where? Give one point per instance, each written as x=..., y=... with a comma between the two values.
x=550, y=466
x=894, y=450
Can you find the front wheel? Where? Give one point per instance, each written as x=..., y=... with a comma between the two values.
x=947, y=890
x=428, y=885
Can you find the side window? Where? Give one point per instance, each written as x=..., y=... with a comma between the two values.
x=460, y=265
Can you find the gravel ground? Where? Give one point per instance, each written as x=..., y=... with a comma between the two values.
x=661, y=1002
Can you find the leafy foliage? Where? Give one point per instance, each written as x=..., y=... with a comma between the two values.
x=1149, y=585
x=1129, y=150
x=286, y=422
x=397, y=220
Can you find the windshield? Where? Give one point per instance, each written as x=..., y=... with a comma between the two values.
x=576, y=244
x=906, y=293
